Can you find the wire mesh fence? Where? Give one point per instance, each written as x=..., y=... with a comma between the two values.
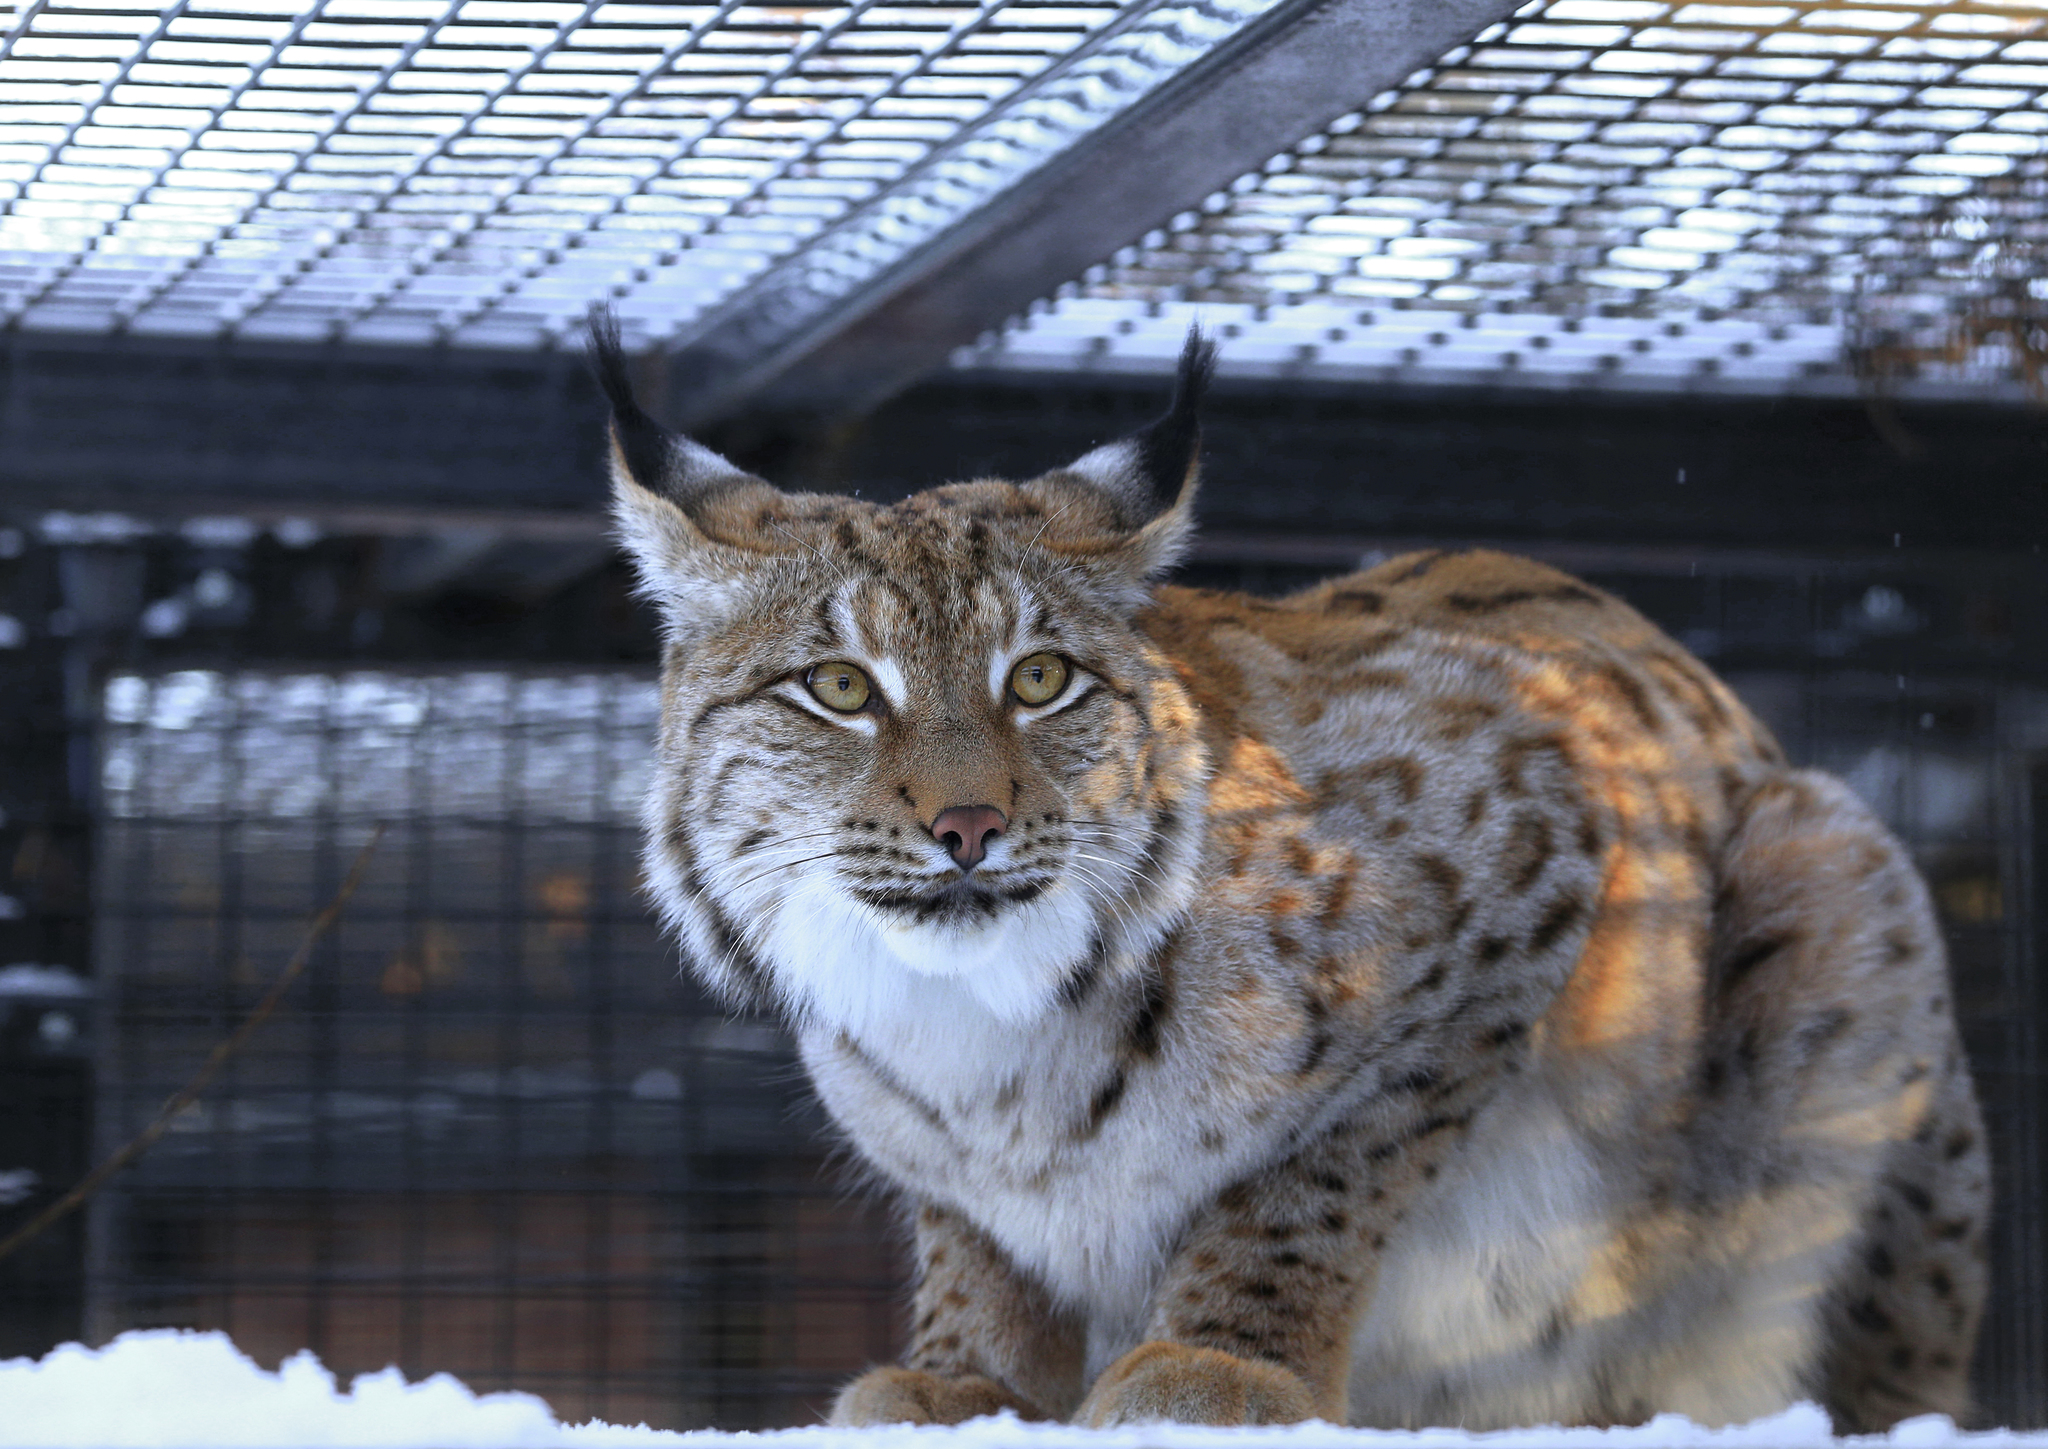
x=468, y=171
x=493, y=1132
x=497, y=1135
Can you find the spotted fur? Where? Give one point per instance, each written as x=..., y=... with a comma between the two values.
x=1430, y=998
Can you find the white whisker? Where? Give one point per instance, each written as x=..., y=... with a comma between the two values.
x=829, y=562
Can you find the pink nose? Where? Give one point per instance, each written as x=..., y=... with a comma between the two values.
x=966, y=830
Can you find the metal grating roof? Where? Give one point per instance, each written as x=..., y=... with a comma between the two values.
x=478, y=172
x=1750, y=195
x=1753, y=195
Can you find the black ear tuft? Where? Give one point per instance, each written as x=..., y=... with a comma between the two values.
x=1166, y=449
x=645, y=444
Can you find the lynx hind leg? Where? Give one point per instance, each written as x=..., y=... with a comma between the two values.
x=1834, y=1074
x=1903, y=1319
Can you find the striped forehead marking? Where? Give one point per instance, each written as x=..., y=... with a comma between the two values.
x=1013, y=641
x=891, y=626
x=851, y=614
x=888, y=677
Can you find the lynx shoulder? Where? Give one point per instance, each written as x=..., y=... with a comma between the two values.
x=1428, y=999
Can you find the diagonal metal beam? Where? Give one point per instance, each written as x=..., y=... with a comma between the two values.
x=783, y=346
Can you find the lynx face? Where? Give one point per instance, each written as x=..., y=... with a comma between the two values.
x=833, y=767
x=911, y=753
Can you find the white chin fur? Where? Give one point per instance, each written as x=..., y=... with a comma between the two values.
x=846, y=964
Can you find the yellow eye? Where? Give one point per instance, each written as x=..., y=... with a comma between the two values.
x=838, y=685
x=1039, y=678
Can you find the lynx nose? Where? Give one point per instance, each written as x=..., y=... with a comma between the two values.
x=966, y=830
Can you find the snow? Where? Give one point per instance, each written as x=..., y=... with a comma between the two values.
x=166, y=1387
x=28, y=979
x=171, y=1389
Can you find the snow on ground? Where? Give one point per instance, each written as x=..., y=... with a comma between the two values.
x=167, y=1389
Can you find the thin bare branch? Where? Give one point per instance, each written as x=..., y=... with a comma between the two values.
x=145, y=1139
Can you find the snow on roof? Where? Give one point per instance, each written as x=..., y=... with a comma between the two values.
x=27, y=979
x=200, y=744
x=167, y=1389
x=1744, y=196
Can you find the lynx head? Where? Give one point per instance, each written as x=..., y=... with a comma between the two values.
x=913, y=755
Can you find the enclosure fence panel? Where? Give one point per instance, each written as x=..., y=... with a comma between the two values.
x=492, y=1133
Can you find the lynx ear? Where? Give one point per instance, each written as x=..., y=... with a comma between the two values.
x=1146, y=480
x=670, y=496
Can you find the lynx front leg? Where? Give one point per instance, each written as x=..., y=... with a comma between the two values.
x=1253, y=1321
x=983, y=1339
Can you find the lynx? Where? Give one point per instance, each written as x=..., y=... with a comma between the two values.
x=1427, y=999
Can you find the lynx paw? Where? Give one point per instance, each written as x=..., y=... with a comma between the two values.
x=911, y=1396
x=1172, y=1382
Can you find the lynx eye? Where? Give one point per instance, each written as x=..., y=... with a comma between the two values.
x=1039, y=678
x=838, y=685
